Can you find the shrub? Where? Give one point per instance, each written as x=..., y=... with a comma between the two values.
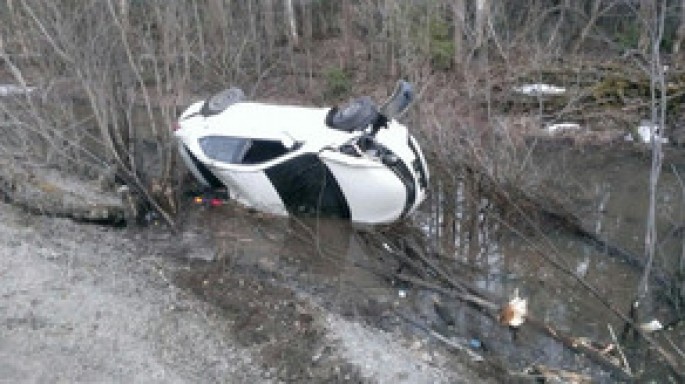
x=338, y=83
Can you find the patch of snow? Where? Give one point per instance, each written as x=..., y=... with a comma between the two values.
x=652, y=326
x=15, y=90
x=540, y=90
x=644, y=133
x=563, y=127
x=583, y=266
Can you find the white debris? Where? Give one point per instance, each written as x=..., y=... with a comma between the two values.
x=563, y=127
x=402, y=293
x=123, y=189
x=644, y=132
x=540, y=90
x=582, y=267
x=514, y=313
x=652, y=326
x=14, y=90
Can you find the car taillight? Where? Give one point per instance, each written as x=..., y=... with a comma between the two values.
x=211, y=201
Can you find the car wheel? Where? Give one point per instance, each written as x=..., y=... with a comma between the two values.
x=222, y=100
x=355, y=116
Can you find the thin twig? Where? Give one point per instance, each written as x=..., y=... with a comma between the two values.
x=620, y=350
x=474, y=356
x=675, y=347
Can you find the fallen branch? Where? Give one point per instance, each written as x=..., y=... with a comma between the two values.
x=620, y=350
x=463, y=292
x=483, y=304
x=677, y=367
x=594, y=351
x=451, y=344
x=555, y=375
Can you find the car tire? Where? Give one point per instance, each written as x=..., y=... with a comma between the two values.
x=222, y=100
x=357, y=115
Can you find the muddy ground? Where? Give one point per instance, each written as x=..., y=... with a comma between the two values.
x=235, y=296
x=88, y=303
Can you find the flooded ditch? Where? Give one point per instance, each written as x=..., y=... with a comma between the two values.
x=349, y=271
x=263, y=274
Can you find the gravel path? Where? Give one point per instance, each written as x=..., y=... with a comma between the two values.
x=77, y=304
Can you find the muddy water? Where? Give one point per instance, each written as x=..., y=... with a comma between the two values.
x=333, y=263
x=608, y=191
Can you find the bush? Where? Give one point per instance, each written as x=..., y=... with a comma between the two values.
x=338, y=83
x=441, y=45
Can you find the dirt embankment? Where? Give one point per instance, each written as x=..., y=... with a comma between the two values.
x=84, y=303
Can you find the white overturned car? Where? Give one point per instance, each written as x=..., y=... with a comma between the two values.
x=355, y=163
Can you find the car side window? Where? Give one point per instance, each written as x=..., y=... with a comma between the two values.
x=235, y=150
x=264, y=150
x=225, y=149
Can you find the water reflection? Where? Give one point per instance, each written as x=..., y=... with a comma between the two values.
x=608, y=192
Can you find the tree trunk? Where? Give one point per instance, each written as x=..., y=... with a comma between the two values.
x=292, y=23
x=348, y=60
x=459, y=21
x=481, y=22
x=594, y=15
x=269, y=31
x=680, y=34
x=646, y=17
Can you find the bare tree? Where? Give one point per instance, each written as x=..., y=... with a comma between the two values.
x=646, y=11
x=291, y=22
x=680, y=33
x=459, y=21
x=655, y=26
x=481, y=21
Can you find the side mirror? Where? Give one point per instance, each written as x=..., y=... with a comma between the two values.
x=399, y=101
